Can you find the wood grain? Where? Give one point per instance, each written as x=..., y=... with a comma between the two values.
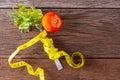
x=89, y=26
x=94, y=69
x=62, y=3
x=94, y=32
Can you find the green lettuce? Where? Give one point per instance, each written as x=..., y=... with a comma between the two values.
x=27, y=18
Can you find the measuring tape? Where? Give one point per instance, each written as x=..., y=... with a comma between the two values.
x=53, y=54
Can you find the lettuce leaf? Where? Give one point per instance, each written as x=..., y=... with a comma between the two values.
x=26, y=18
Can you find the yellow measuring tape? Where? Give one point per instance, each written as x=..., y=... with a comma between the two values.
x=52, y=52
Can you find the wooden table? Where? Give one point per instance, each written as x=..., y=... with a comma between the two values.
x=89, y=26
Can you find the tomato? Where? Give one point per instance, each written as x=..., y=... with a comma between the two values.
x=51, y=22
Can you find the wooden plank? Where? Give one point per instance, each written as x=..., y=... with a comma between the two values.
x=12, y=3
x=94, y=32
x=63, y=3
x=94, y=69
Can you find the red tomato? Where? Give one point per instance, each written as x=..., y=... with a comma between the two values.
x=51, y=22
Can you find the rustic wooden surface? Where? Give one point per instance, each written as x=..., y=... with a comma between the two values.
x=89, y=26
x=63, y=3
x=95, y=69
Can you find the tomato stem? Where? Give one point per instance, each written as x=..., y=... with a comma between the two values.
x=55, y=21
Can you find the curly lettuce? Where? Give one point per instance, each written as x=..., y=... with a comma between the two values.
x=27, y=18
